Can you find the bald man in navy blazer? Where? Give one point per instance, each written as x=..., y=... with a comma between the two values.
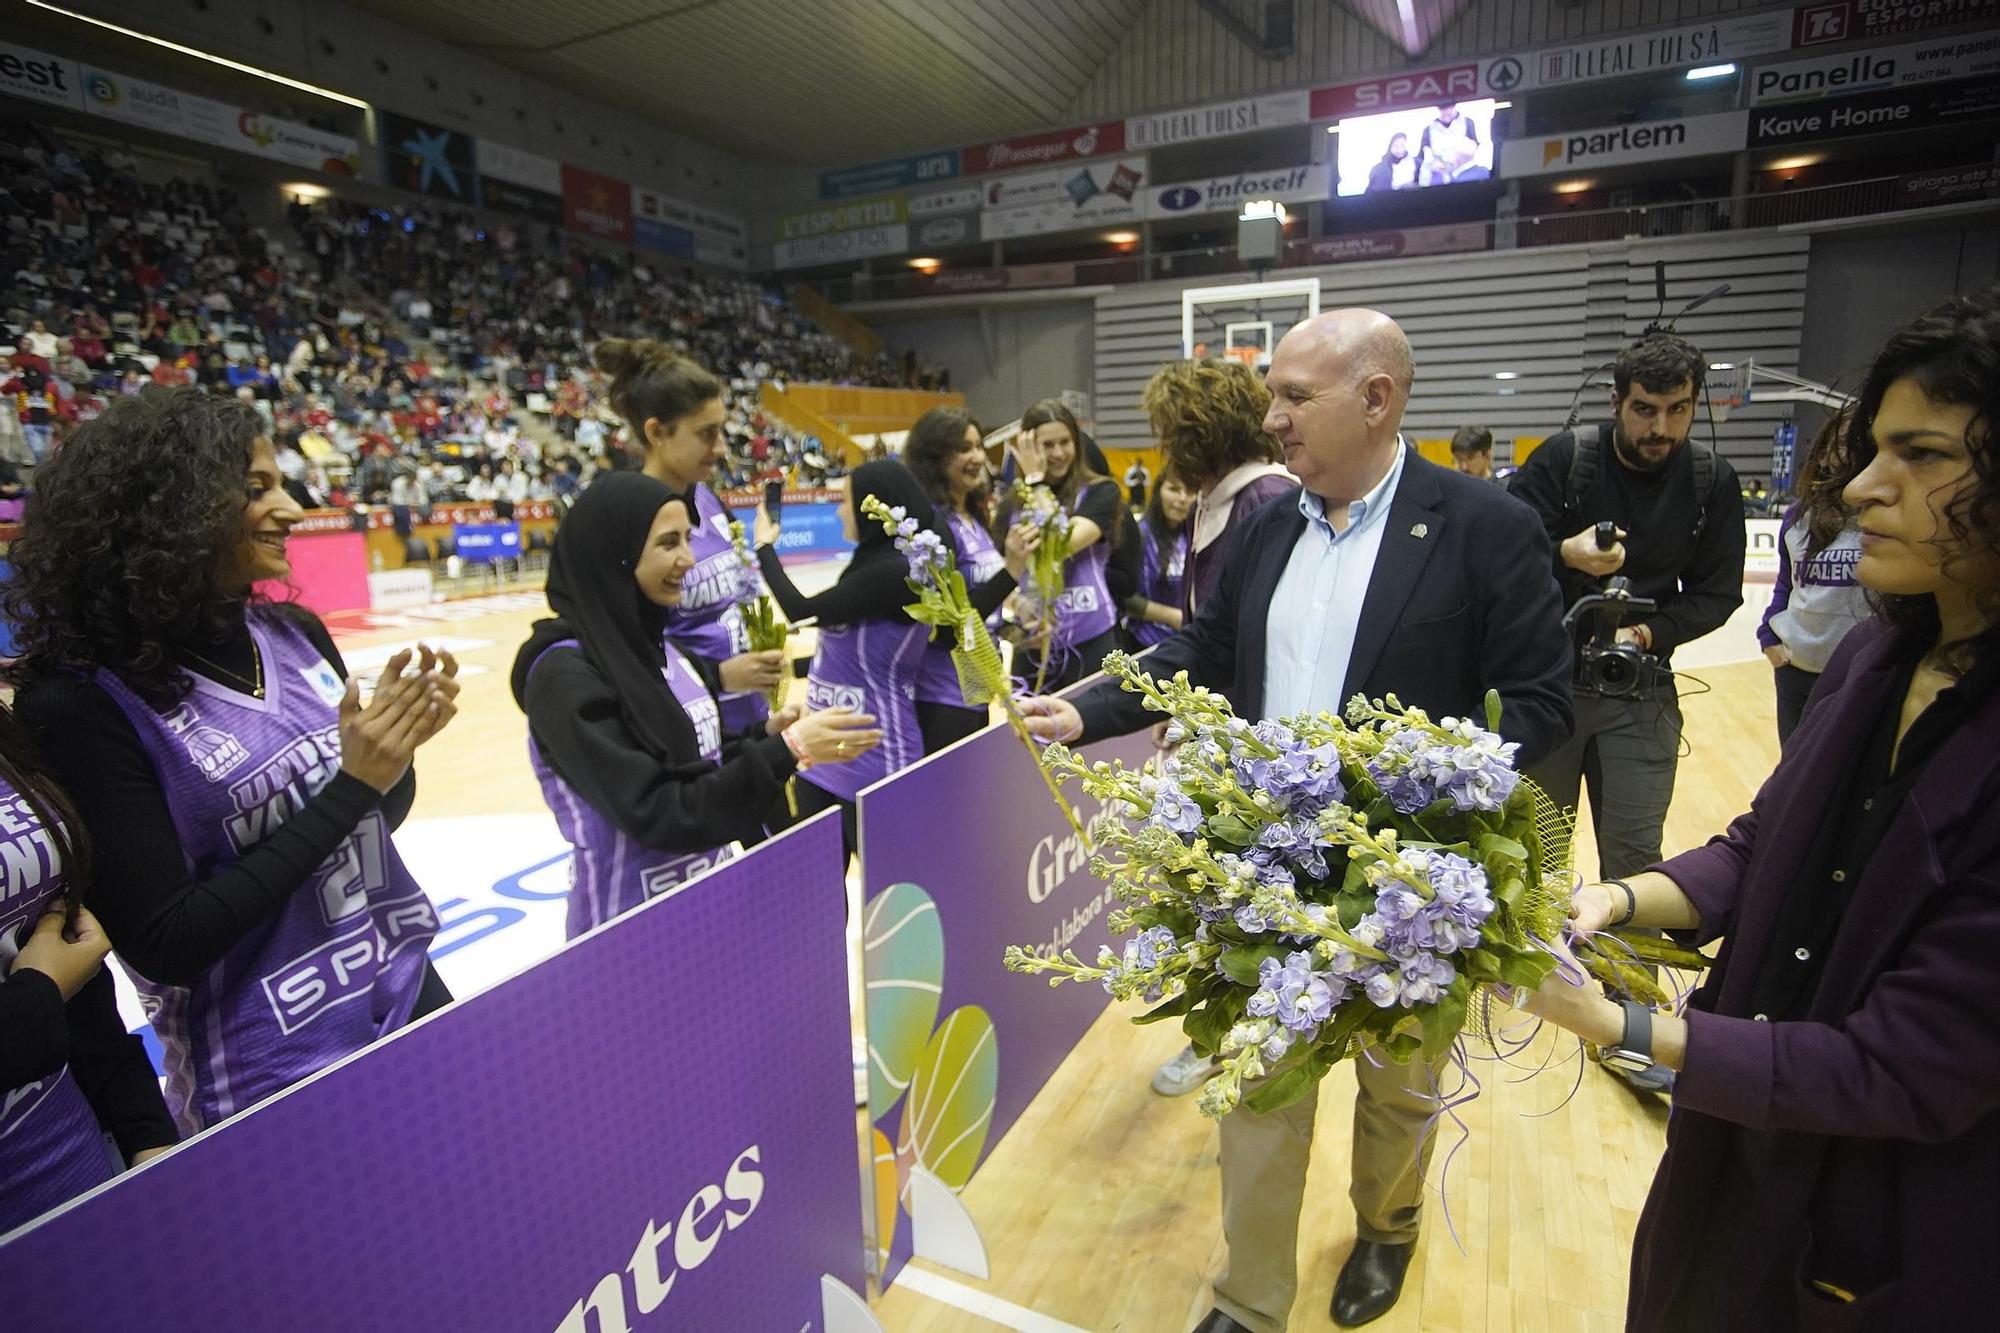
x=1385, y=574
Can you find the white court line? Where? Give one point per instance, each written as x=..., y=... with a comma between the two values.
x=985, y=1305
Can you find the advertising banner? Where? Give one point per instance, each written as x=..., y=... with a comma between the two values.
x=1036, y=202
x=537, y=1157
x=957, y=1045
x=811, y=531
x=1943, y=187
x=663, y=238
x=1413, y=88
x=1877, y=113
x=1217, y=120
x=1018, y=277
x=204, y=120
x=1876, y=70
x=499, y=162
x=595, y=205
x=841, y=246
x=1666, y=48
x=892, y=174
x=942, y=233
x=1224, y=194
x=1454, y=238
x=809, y=222
x=1037, y=150
x=511, y=197
x=429, y=159
x=484, y=543
x=1616, y=145
x=1869, y=20
x=940, y=203
x=39, y=76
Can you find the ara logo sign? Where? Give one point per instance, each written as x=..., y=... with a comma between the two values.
x=1180, y=198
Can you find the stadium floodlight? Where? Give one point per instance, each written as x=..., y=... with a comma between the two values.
x=1699, y=73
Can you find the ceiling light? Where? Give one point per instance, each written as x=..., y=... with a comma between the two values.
x=306, y=190
x=1575, y=187
x=1722, y=365
x=1506, y=375
x=1795, y=163
x=926, y=264
x=1710, y=72
x=1121, y=237
x=226, y=63
x=1261, y=208
x=1505, y=393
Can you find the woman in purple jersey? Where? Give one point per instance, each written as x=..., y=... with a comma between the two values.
x=237, y=794
x=870, y=651
x=69, y=1072
x=625, y=738
x=946, y=453
x=1086, y=617
x=674, y=408
x=1154, y=612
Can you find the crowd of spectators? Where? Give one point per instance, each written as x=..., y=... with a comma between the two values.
x=402, y=356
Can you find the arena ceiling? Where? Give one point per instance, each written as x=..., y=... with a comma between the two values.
x=824, y=82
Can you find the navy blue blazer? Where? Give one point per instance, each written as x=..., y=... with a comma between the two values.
x=1462, y=600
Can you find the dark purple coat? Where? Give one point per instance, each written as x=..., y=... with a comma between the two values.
x=1204, y=567
x=1882, y=1104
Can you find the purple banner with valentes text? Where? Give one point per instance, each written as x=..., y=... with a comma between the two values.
x=650, y=1129
x=963, y=855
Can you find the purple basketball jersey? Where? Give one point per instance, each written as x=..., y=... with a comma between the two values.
x=709, y=620
x=51, y=1148
x=336, y=967
x=979, y=560
x=1084, y=609
x=1162, y=576
x=611, y=872
x=870, y=666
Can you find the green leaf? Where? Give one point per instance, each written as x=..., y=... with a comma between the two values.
x=1208, y=1025
x=1232, y=829
x=1180, y=1004
x=1494, y=844
x=1240, y=964
x=1443, y=1020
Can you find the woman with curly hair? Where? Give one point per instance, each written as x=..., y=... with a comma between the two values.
x=1209, y=419
x=69, y=1072
x=946, y=453
x=238, y=795
x=1836, y=1127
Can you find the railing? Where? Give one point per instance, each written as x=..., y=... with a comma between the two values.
x=788, y=410
x=1687, y=218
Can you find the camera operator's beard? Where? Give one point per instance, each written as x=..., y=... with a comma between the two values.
x=1633, y=456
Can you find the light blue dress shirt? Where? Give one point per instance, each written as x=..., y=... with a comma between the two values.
x=1317, y=605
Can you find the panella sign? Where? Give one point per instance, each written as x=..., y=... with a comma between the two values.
x=1039, y=150
x=1423, y=87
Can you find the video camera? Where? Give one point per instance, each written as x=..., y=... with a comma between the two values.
x=1605, y=666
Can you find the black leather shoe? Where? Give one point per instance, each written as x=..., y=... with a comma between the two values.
x=1218, y=1322
x=1370, y=1281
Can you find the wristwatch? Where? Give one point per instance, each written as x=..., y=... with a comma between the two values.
x=1634, y=1051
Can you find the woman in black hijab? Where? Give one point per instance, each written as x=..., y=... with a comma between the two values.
x=623, y=733
x=870, y=651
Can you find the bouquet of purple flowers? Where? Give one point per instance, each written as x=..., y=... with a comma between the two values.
x=1305, y=890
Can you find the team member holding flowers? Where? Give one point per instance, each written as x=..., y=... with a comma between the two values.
x=624, y=736
x=946, y=453
x=870, y=652
x=1836, y=1128
x=1081, y=627
x=674, y=408
x=69, y=1072
x=238, y=796
x=1154, y=612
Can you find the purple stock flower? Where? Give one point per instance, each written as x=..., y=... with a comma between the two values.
x=1250, y=921
x=1148, y=947
x=1381, y=988
x=1175, y=810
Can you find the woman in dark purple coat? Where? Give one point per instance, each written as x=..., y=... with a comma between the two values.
x=1833, y=1161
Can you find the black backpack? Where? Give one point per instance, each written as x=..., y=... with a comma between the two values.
x=1583, y=473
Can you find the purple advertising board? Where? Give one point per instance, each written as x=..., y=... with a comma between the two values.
x=963, y=855
x=651, y=1129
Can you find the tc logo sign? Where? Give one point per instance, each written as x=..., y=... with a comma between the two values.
x=1823, y=23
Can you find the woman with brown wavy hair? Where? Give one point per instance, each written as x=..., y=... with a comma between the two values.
x=1209, y=419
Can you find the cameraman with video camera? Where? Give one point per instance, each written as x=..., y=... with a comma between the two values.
x=1649, y=536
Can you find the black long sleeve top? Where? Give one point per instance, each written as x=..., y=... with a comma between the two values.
x=876, y=592
x=693, y=806
x=1697, y=581
x=165, y=924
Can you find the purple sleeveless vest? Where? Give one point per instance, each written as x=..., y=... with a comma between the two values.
x=51, y=1148
x=340, y=964
x=611, y=872
x=1084, y=610
x=1162, y=575
x=979, y=560
x=870, y=666
x=709, y=620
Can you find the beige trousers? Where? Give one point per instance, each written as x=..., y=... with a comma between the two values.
x=1264, y=1161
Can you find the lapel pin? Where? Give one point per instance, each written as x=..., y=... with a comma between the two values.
x=1420, y=531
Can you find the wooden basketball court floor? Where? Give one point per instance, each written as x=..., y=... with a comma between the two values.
x=1100, y=1210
